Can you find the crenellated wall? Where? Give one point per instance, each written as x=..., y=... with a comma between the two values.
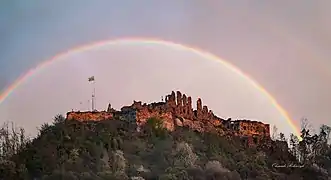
x=177, y=111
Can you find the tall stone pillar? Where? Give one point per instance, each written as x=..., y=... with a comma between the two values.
x=171, y=101
x=189, y=108
x=179, y=103
x=185, y=106
x=205, y=112
x=173, y=96
x=199, y=108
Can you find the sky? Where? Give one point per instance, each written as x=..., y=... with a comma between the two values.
x=134, y=71
x=283, y=45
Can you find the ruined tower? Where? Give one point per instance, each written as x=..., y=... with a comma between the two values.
x=189, y=108
x=179, y=103
x=185, y=108
x=199, y=108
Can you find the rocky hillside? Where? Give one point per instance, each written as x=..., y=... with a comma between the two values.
x=176, y=111
x=113, y=149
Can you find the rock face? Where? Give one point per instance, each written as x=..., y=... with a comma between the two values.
x=177, y=111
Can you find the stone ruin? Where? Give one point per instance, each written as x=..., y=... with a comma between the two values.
x=177, y=111
x=89, y=116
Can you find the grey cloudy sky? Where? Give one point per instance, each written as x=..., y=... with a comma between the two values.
x=284, y=45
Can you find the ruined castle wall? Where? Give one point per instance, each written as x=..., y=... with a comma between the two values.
x=177, y=111
x=249, y=128
x=181, y=106
x=201, y=126
x=127, y=114
x=89, y=116
x=171, y=102
x=137, y=105
x=216, y=122
x=189, y=109
x=144, y=114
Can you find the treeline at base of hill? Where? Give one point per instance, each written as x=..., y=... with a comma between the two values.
x=72, y=150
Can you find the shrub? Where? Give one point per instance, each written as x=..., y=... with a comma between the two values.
x=184, y=155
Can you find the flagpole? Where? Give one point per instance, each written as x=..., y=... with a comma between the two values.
x=93, y=92
x=94, y=99
x=92, y=102
x=93, y=96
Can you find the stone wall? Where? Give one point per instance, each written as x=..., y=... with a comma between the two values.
x=89, y=116
x=253, y=128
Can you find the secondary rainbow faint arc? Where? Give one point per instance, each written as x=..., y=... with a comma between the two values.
x=197, y=51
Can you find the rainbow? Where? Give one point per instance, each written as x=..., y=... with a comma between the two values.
x=196, y=51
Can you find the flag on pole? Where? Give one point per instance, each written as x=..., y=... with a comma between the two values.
x=91, y=78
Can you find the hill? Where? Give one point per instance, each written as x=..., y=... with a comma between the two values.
x=114, y=148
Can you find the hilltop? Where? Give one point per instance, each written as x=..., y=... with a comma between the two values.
x=177, y=111
x=164, y=140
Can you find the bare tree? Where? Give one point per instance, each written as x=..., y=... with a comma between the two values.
x=12, y=140
x=282, y=137
x=184, y=155
x=294, y=143
x=305, y=124
x=312, y=145
x=274, y=132
x=59, y=119
x=327, y=130
x=304, y=144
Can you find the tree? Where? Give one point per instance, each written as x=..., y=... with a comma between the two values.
x=282, y=137
x=274, y=132
x=294, y=143
x=44, y=128
x=321, y=147
x=59, y=119
x=155, y=123
x=304, y=144
x=155, y=126
x=118, y=162
x=184, y=155
x=327, y=130
x=312, y=146
x=304, y=123
x=12, y=140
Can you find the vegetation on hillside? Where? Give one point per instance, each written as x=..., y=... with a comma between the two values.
x=113, y=149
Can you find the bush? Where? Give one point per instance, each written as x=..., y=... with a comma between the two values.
x=184, y=155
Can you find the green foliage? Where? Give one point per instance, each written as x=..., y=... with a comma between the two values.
x=111, y=150
x=59, y=119
x=155, y=126
x=155, y=123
